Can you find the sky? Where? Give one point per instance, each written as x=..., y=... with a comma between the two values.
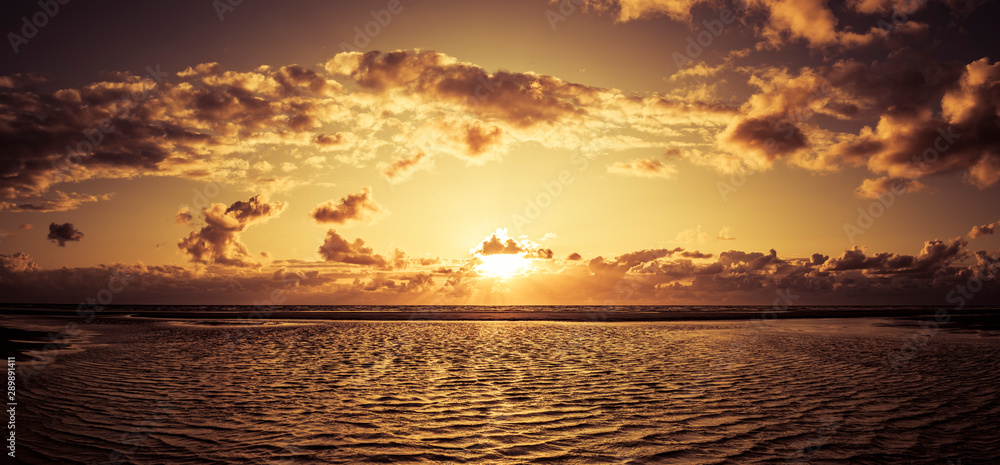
x=574, y=152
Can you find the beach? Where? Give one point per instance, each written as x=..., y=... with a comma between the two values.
x=233, y=390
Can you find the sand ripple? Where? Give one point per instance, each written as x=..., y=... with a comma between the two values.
x=511, y=392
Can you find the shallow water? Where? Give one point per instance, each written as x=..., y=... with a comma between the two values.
x=817, y=391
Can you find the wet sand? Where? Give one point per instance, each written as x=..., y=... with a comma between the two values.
x=144, y=390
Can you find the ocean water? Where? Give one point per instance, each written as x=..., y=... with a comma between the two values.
x=131, y=390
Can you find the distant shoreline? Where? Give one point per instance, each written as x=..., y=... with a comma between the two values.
x=592, y=314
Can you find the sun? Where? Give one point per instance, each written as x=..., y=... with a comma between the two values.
x=502, y=265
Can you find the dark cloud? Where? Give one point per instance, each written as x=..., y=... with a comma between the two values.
x=779, y=24
x=574, y=256
x=184, y=216
x=480, y=138
x=695, y=254
x=753, y=261
x=63, y=233
x=544, y=254
x=499, y=243
x=643, y=261
x=935, y=255
x=403, y=167
x=634, y=258
x=912, y=138
x=521, y=100
x=772, y=136
x=735, y=277
x=354, y=207
x=58, y=202
x=253, y=209
x=181, y=124
x=337, y=249
x=218, y=242
x=327, y=140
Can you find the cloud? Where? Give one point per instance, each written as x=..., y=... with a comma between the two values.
x=913, y=141
x=184, y=216
x=201, y=122
x=26, y=226
x=16, y=263
x=63, y=233
x=641, y=261
x=499, y=243
x=775, y=123
x=542, y=254
x=935, y=255
x=355, y=207
x=645, y=168
x=59, y=202
x=782, y=22
x=187, y=125
x=336, y=248
x=693, y=236
x=574, y=256
x=218, y=242
x=403, y=167
x=428, y=74
x=985, y=229
x=874, y=188
x=479, y=138
x=726, y=234
x=650, y=276
x=327, y=140
x=485, y=112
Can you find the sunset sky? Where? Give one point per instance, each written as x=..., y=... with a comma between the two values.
x=523, y=152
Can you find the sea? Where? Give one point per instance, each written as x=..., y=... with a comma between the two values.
x=124, y=389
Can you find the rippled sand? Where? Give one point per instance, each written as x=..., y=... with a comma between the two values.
x=513, y=392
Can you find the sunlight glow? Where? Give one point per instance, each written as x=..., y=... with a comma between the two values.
x=502, y=265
